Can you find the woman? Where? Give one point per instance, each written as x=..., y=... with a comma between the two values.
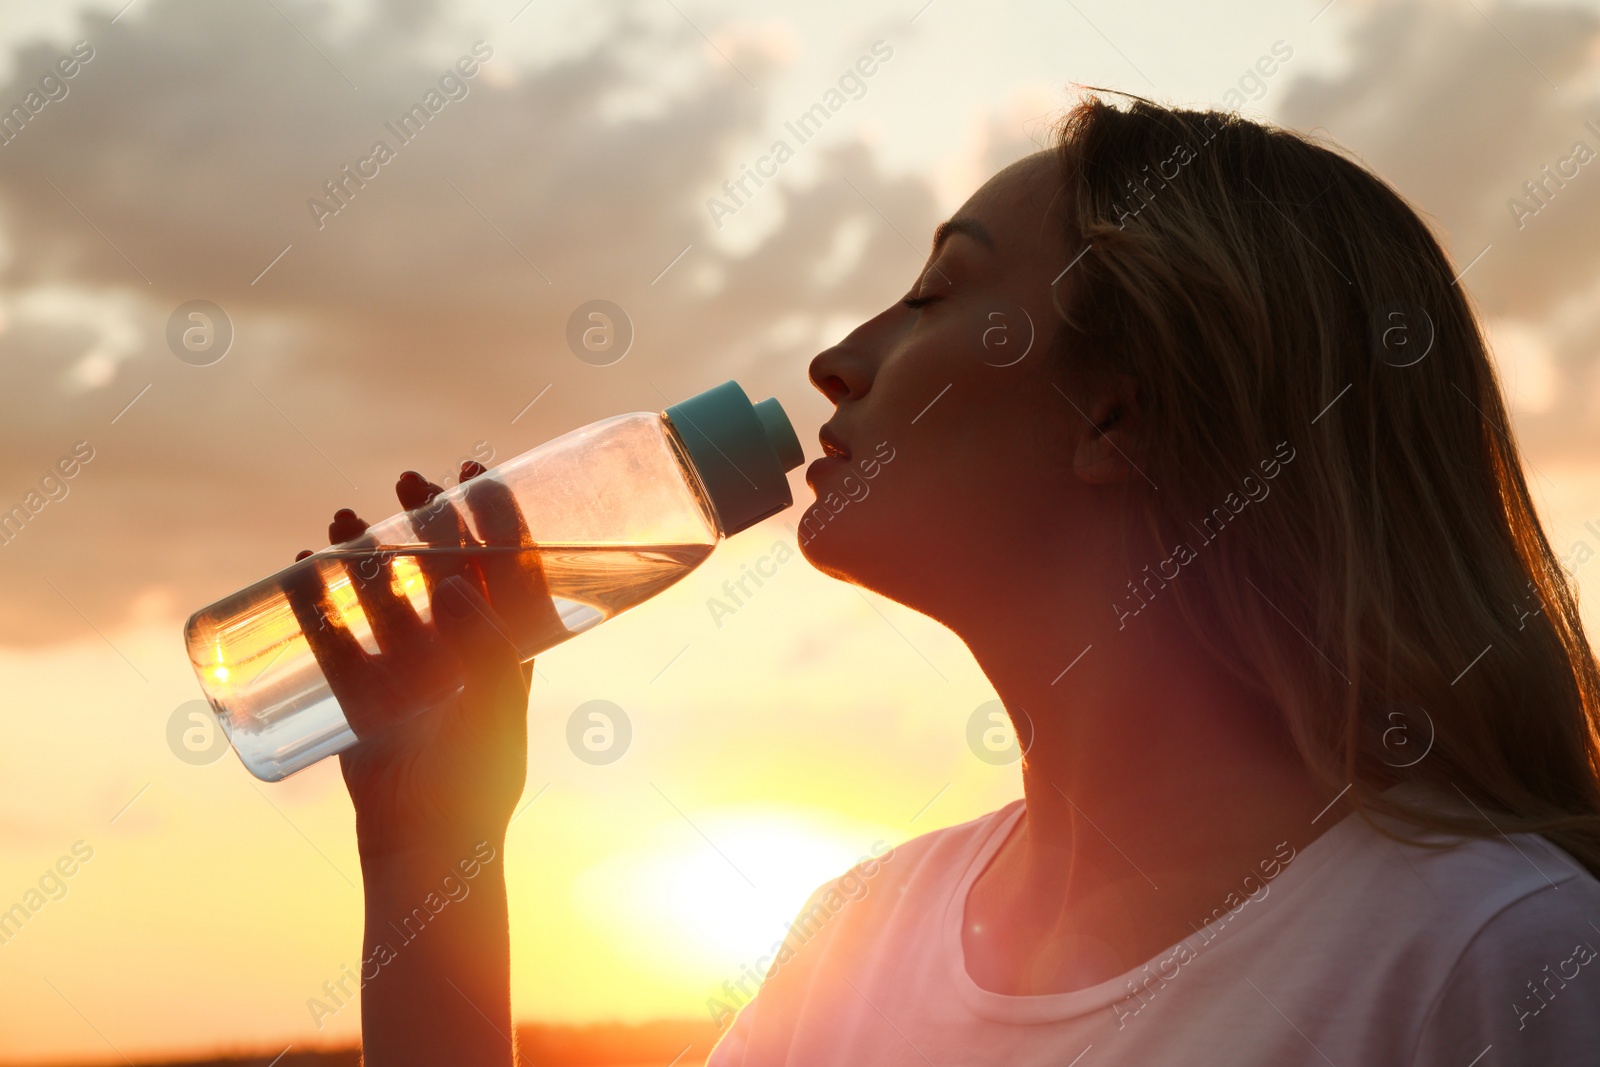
x=1198, y=447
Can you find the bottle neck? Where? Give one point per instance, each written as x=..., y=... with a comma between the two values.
x=691, y=477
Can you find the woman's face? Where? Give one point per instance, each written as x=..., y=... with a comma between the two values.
x=952, y=449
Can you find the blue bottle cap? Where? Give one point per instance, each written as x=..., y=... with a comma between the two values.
x=741, y=451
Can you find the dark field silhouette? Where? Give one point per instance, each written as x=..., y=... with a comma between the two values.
x=678, y=1042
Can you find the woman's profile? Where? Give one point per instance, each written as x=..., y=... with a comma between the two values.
x=1199, y=448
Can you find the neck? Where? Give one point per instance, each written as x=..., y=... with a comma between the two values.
x=1146, y=756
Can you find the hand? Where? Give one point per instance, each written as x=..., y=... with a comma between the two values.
x=445, y=779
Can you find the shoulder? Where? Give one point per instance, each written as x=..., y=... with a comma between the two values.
x=888, y=904
x=1469, y=892
x=898, y=894
x=928, y=864
x=1526, y=981
x=1497, y=939
x=1460, y=883
x=938, y=849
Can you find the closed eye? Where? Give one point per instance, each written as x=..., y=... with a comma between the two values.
x=918, y=301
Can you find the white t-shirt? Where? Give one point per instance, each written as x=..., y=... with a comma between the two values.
x=1356, y=952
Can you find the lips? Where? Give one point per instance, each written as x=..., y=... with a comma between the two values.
x=831, y=445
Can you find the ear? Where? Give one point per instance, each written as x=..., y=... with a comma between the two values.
x=1111, y=418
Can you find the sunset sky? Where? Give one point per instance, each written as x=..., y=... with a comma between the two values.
x=772, y=747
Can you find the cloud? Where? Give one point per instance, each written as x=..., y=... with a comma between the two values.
x=1459, y=106
x=413, y=323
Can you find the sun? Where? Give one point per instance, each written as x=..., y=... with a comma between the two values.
x=716, y=896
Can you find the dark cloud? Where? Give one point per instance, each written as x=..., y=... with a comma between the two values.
x=411, y=324
x=1460, y=105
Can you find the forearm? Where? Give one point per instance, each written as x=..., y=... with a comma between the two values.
x=436, y=958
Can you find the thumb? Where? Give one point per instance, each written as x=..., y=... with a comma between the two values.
x=480, y=640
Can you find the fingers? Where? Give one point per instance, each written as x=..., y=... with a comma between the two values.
x=338, y=653
x=435, y=524
x=373, y=692
x=515, y=580
x=346, y=526
x=414, y=490
x=492, y=669
x=395, y=625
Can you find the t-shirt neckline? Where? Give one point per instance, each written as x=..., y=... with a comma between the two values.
x=1052, y=1007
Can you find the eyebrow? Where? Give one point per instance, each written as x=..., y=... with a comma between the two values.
x=959, y=224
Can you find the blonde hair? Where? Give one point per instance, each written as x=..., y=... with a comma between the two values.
x=1262, y=289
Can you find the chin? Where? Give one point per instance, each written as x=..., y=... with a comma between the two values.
x=835, y=541
x=845, y=547
x=821, y=546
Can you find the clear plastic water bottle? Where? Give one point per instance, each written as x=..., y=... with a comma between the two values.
x=337, y=646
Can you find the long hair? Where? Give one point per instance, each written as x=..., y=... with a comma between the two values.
x=1388, y=585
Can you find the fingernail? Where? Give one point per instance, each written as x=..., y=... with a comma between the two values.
x=452, y=597
x=343, y=515
x=471, y=469
x=410, y=476
x=303, y=554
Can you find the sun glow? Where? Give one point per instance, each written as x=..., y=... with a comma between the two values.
x=220, y=672
x=691, y=902
x=405, y=577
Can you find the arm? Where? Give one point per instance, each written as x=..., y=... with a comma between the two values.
x=436, y=965
x=432, y=805
x=433, y=796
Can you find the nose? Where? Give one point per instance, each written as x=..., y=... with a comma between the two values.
x=837, y=375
